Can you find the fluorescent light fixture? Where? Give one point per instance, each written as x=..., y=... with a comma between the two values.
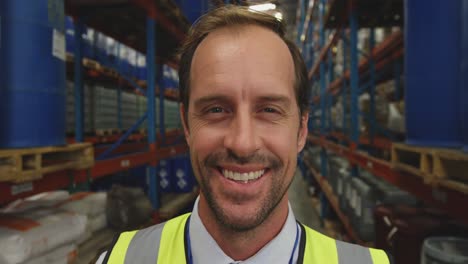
x=263, y=7
x=279, y=15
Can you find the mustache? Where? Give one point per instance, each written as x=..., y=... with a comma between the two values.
x=228, y=156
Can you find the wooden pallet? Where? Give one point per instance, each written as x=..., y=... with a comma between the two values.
x=450, y=164
x=21, y=165
x=437, y=166
x=92, y=64
x=109, y=72
x=107, y=132
x=415, y=160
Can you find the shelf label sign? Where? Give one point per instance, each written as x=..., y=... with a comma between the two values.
x=125, y=163
x=21, y=188
x=58, y=45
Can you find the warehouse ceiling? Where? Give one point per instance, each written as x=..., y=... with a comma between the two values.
x=288, y=8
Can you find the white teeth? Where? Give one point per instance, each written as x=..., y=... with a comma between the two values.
x=243, y=177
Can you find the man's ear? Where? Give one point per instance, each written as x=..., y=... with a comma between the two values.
x=303, y=131
x=184, y=122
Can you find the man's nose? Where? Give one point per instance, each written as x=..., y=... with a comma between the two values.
x=242, y=137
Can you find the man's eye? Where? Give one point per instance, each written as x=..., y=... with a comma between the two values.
x=215, y=110
x=269, y=110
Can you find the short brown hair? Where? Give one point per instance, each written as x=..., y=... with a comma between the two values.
x=229, y=16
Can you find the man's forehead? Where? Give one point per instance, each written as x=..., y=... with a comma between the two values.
x=254, y=45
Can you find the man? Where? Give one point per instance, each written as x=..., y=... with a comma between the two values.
x=244, y=109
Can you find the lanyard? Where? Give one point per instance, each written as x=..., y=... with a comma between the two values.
x=189, y=247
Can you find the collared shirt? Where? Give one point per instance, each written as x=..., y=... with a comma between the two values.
x=278, y=250
x=206, y=250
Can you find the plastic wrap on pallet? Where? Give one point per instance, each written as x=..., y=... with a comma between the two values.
x=61, y=255
x=33, y=233
x=98, y=222
x=396, y=118
x=86, y=203
x=45, y=199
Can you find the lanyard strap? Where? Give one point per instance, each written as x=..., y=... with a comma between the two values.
x=188, y=246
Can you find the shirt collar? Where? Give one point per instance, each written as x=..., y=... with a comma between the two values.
x=206, y=250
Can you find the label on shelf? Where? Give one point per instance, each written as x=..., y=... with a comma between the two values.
x=125, y=163
x=353, y=199
x=358, y=206
x=21, y=188
x=58, y=45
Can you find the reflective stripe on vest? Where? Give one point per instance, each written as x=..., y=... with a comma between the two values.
x=120, y=249
x=172, y=248
x=166, y=244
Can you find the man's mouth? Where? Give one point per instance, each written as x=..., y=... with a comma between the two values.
x=242, y=177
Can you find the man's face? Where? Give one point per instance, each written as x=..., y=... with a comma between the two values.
x=243, y=120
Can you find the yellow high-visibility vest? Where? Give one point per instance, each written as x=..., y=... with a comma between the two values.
x=165, y=243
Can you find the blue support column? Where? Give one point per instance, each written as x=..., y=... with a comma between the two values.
x=354, y=76
x=151, y=68
x=311, y=47
x=354, y=82
x=119, y=106
x=322, y=69
x=344, y=90
x=331, y=77
x=372, y=111
x=162, y=123
x=323, y=98
x=78, y=71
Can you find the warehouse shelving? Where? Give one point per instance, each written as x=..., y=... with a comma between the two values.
x=125, y=21
x=381, y=63
x=130, y=22
x=332, y=198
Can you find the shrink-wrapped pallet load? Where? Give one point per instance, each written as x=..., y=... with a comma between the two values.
x=24, y=236
x=93, y=206
x=63, y=255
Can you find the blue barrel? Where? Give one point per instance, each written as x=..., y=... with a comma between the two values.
x=432, y=64
x=32, y=73
x=464, y=75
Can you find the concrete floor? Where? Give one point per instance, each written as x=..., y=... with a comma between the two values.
x=301, y=203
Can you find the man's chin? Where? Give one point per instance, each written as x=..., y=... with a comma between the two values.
x=239, y=223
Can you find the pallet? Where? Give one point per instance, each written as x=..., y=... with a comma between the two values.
x=92, y=64
x=415, y=160
x=437, y=166
x=450, y=164
x=21, y=165
x=107, y=132
x=109, y=72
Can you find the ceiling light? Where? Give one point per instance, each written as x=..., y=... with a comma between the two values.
x=279, y=15
x=263, y=7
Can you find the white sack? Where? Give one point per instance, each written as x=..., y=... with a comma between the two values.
x=30, y=234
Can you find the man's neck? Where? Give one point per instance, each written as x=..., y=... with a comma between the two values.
x=243, y=245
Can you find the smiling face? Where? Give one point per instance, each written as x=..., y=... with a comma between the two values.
x=243, y=125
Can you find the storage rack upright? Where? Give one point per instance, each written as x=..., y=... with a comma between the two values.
x=130, y=22
x=340, y=19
